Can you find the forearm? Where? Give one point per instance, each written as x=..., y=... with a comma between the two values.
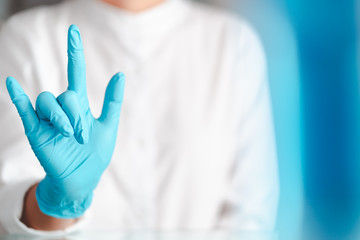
x=34, y=218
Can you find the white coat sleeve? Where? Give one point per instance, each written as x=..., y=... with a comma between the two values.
x=19, y=168
x=253, y=194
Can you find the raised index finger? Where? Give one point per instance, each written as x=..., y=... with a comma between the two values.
x=76, y=65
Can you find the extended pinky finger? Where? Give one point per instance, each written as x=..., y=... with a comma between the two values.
x=23, y=105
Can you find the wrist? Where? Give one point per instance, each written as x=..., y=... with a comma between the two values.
x=55, y=202
x=33, y=218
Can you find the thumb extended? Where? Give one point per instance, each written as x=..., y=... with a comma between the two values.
x=114, y=96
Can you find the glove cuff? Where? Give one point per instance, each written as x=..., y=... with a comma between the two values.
x=55, y=203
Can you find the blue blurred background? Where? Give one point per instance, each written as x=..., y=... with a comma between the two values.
x=312, y=56
x=326, y=32
x=311, y=48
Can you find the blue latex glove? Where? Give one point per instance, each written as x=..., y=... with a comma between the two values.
x=73, y=147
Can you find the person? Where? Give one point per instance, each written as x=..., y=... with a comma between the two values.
x=194, y=146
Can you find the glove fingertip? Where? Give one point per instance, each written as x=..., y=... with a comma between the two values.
x=9, y=79
x=118, y=86
x=68, y=131
x=12, y=86
x=85, y=136
x=82, y=137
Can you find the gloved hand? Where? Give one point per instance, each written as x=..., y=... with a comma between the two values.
x=72, y=146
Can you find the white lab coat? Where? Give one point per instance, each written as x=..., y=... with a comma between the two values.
x=195, y=148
